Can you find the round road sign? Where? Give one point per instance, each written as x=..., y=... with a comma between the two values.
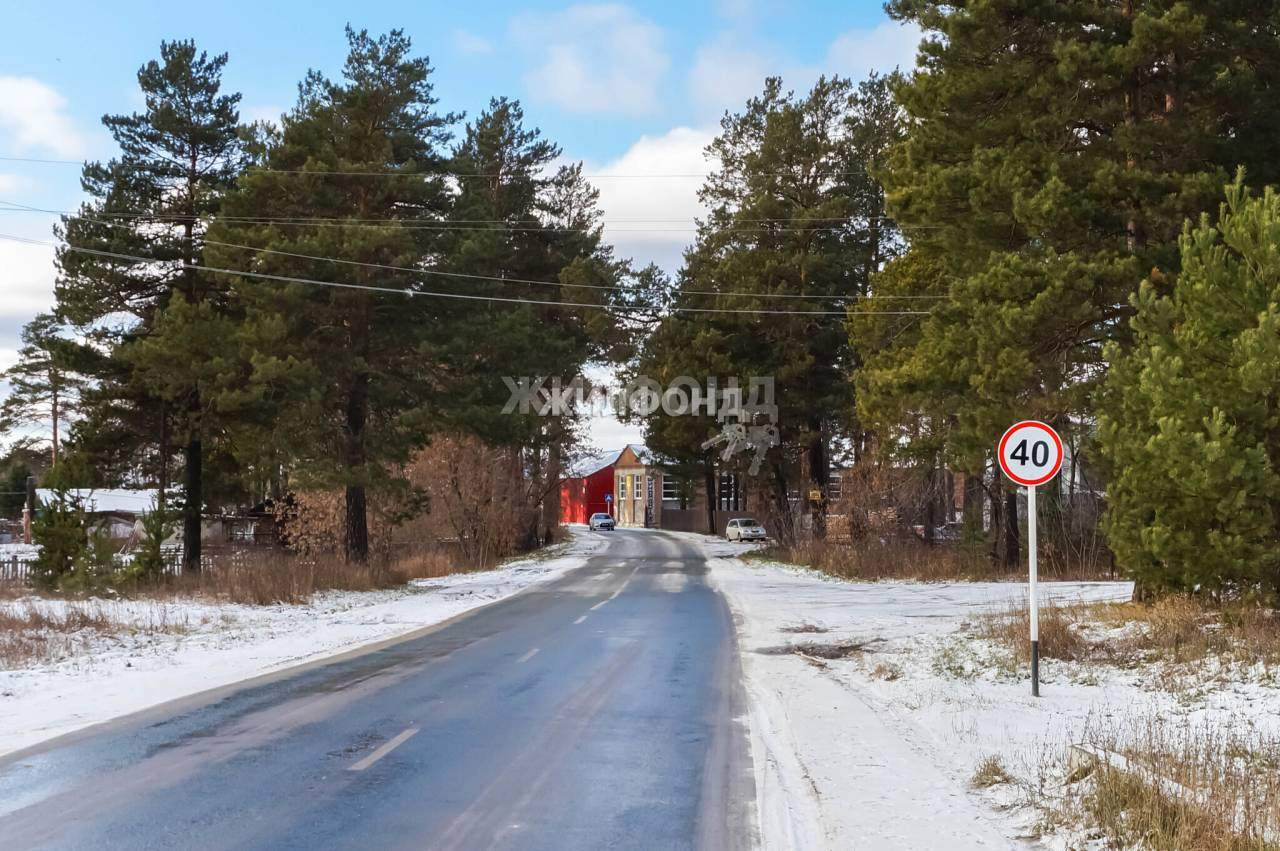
x=1030, y=453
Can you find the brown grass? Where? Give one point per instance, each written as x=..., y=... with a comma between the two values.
x=904, y=559
x=886, y=671
x=1191, y=789
x=990, y=772
x=1174, y=629
x=272, y=577
x=1059, y=635
x=34, y=633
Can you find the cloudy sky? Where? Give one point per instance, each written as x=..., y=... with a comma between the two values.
x=630, y=89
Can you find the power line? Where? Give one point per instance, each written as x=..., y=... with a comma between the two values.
x=440, y=173
x=527, y=281
x=468, y=225
x=439, y=227
x=462, y=296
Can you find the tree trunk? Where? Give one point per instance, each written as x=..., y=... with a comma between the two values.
x=357, y=525
x=1012, y=543
x=164, y=455
x=786, y=533
x=819, y=474
x=56, y=415
x=709, y=481
x=551, y=497
x=931, y=506
x=356, y=545
x=193, y=482
x=972, y=502
x=191, y=508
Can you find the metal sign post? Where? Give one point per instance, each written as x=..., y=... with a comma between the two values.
x=1030, y=453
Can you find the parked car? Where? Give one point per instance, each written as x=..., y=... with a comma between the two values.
x=744, y=529
x=601, y=521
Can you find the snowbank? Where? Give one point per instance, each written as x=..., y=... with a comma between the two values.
x=180, y=648
x=877, y=750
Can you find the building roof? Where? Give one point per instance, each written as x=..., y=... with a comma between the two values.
x=106, y=500
x=594, y=462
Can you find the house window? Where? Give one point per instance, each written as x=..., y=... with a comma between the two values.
x=637, y=488
x=833, y=487
x=622, y=487
x=730, y=493
x=670, y=489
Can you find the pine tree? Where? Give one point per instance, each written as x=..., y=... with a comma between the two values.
x=358, y=164
x=178, y=158
x=41, y=387
x=517, y=217
x=1053, y=152
x=795, y=211
x=1190, y=417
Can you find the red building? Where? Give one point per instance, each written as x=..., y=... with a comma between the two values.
x=584, y=493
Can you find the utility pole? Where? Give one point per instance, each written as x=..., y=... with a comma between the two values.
x=29, y=510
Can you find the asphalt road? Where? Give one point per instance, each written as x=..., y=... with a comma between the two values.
x=595, y=711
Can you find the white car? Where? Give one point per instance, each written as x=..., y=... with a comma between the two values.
x=600, y=521
x=744, y=529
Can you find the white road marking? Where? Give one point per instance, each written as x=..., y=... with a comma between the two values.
x=386, y=748
x=580, y=620
x=615, y=594
x=526, y=657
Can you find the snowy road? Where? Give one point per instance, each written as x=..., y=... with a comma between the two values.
x=595, y=710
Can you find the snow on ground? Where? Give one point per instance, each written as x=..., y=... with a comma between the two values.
x=180, y=648
x=878, y=750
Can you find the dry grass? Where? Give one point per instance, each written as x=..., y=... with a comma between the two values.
x=886, y=671
x=904, y=559
x=33, y=632
x=1175, y=629
x=1191, y=789
x=1059, y=633
x=272, y=577
x=990, y=772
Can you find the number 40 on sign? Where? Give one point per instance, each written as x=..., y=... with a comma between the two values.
x=1030, y=454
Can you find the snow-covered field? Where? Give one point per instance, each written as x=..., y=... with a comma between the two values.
x=877, y=750
x=180, y=648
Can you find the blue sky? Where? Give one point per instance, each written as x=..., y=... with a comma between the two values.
x=627, y=87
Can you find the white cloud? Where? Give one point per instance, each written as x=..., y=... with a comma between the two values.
x=467, y=42
x=27, y=279
x=649, y=195
x=12, y=184
x=882, y=48
x=594, y=58
x=262, y=112
x=33, y=119
x=725, y=75
x=8, y=357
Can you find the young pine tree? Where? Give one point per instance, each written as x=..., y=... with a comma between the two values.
x=42, y=389
x=1190, y=417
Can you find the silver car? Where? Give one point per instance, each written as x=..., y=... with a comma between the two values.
x=744, y=529
x=600, y=521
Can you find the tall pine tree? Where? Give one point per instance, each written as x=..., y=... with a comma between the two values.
x=359, y=168
x=795, y=212
x=177, y=160
x=1053, y=152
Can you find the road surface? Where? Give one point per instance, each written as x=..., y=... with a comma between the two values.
x=601, y=710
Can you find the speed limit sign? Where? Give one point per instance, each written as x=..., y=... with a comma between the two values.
x=1030, y=454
